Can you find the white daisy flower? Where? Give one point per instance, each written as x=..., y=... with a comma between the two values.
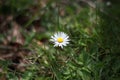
x=60, y=39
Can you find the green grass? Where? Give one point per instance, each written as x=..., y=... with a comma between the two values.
x=91, y=55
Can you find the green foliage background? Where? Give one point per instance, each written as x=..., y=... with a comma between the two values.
x=93, y=52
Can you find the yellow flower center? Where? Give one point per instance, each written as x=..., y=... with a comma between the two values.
x=60, y=39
